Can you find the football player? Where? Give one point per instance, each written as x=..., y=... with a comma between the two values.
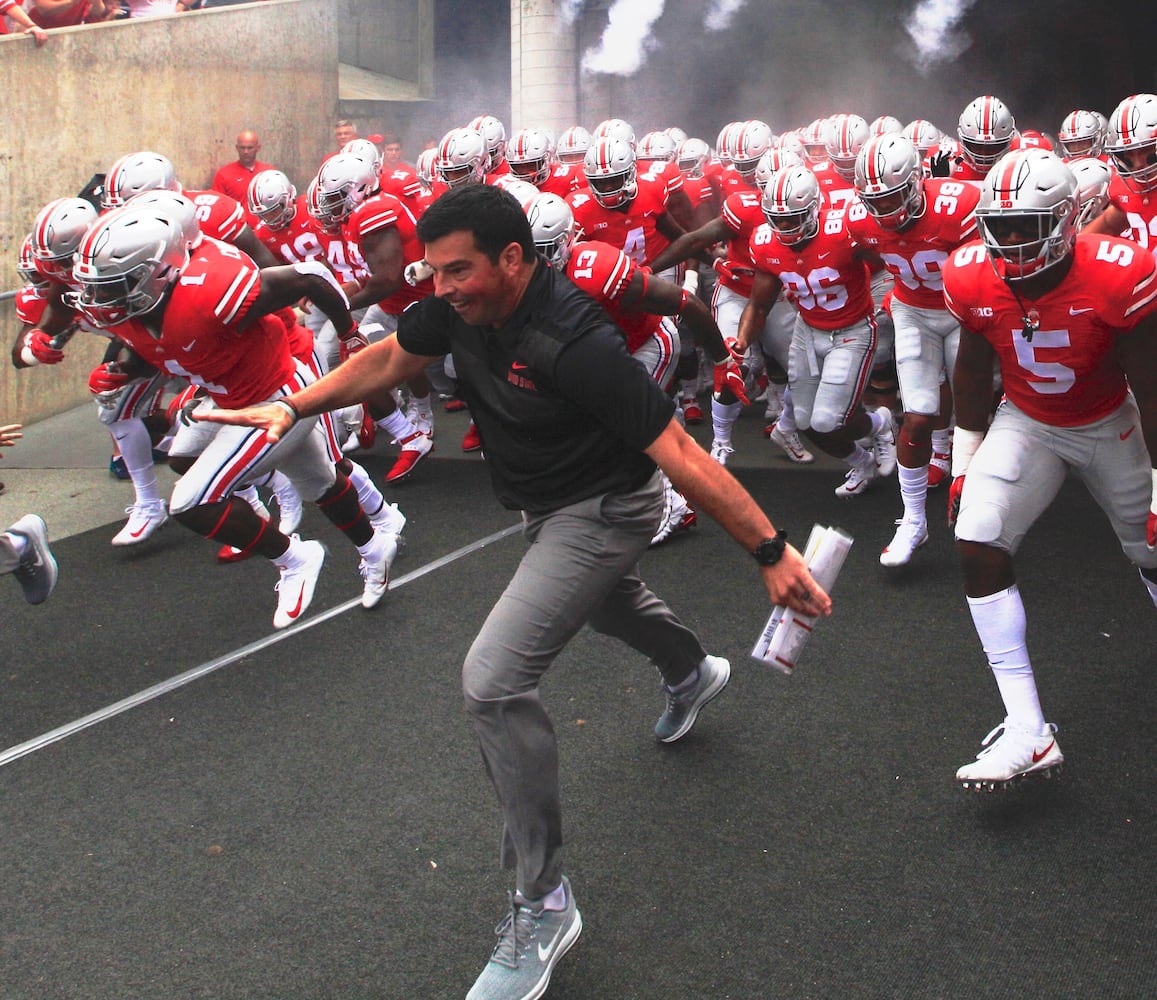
x=914, y=223
x=1071, y=319
x=806, y=251
x=1131, y=142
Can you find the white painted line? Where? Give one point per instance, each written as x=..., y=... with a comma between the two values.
x=180, y=680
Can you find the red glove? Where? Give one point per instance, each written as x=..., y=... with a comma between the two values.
x=106, y=378
x=37, y=349
x=732, y=346
x=728, y=376
x=954, y=492
x=350, y=345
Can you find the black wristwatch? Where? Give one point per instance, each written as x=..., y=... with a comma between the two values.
x=770, y=550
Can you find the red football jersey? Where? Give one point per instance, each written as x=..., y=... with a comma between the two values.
x=384, y=211
x=916, y=256
x=631, y=228
x=219, y=216
x=698, y=190
x=1067, y=374
x=200, y=339
x=563, y=179
x=743, y=215
x=604, y=272
x=297, y=241
x=1139, y=209
x=666, y=171
x=829, y=286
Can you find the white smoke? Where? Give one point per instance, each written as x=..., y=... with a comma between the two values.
x=570, y=10
x=720, y=12
x=626, y=40
x=933, y=27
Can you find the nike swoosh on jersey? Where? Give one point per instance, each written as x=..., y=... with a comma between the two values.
x=1038, y=756
x=1077, y=312
x=189, y=346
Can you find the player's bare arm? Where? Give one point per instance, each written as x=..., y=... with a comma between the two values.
x=383, y=253
x=765, y=289
x=1111, y=222
x=692, y=243
x=284, y=285
x=712, y=489
x=972, y=383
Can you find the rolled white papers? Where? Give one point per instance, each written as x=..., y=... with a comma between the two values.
x=787, y=632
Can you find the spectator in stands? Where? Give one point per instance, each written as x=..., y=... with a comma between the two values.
x=11, y=9
x=233, y=178
x=66, y=13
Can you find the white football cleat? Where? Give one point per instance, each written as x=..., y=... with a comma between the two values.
x=297, y=583
x=857, y=480
x=144, y=519
x=910, y=535
x=791, y=444
x=721, y=451
x=1016, y=754
x=884, y=443
x=375, y=567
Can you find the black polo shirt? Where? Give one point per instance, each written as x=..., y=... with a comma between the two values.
x=564, y=412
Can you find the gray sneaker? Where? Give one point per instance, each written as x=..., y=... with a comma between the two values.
x=530, y=943
x=37, y=571
x=683, y=707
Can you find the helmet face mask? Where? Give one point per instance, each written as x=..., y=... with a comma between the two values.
x=461, y=158
x=552, y=225
x=573, y=145
x=844, y=137
x=691, y=157
x=126, y=265
x=1081, y=134
x=791, y=205
x=530, y=155
x=986, y=129
x=610, y=171
x=1131, y=141
x=888, y=178
x=271, y=198
x=1027, y=215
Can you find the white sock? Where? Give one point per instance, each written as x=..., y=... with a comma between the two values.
x=1000, y=623
x=859, y=457
x=397, y=425
x=913, y=491
x=369, y=495
x=553, y=900
x=942, y=441
x=688, y=388
x=136, y=448
x=877, y=419
x=422, y=406
x=786, y=419
x=723, y=417
x=291, y=556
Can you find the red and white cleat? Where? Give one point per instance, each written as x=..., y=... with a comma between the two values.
x=414, y=448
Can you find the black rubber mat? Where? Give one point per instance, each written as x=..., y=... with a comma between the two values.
x=312, y=819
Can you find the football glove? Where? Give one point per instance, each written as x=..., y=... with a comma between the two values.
x=37, y=349
x=728, y=376
x=106, y=378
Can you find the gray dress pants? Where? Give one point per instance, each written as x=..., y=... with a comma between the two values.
x=581, y=567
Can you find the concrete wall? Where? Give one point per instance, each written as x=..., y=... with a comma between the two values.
x=543, y=78
x=182, y=85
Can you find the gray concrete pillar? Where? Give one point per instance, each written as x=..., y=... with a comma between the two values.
x=544, y=88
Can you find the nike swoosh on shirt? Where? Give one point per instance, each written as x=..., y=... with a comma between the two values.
x=517, y=366
x=1077, y=312
x=1037, y=757
x=189, y=346
x=823, y=255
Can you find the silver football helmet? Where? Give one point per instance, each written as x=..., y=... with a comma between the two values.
x=573, y=144
x=791, y=205
x=986, y=130
x=493, y=133
x=367, y=151
x=530, y=155
x=656, y=146
x=746, y=143
x=127, y=263
x=1080, y=135
x=56, y=234
x=885, y=124
x=461, y=158
x=272, y=198
x=175, y=207
x=26, y=265
x=1027, y=215
x=610, y=171
x=1132, y=141
x=889, y=179
x=615, y=128
x=1093, y=176
x=343, y=182
x=691, y=155
x=425, y=166
x=844, y=137
x=775, y=160
x=924, y=135
x=134, y=173
x=552, y=224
